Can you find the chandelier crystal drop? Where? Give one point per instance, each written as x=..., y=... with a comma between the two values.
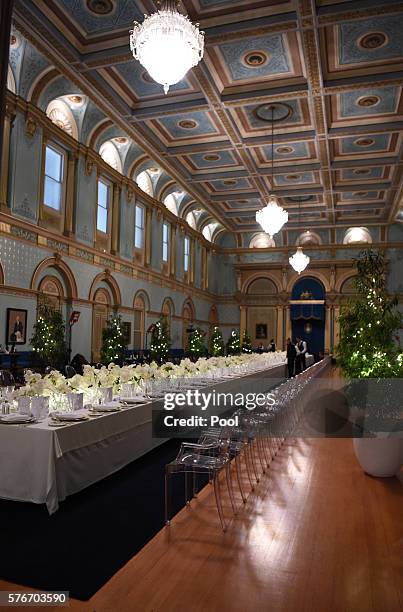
x=167, y=44
x=272, y=217
x=299, y=260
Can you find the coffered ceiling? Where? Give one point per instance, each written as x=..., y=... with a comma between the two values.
x=333, y=71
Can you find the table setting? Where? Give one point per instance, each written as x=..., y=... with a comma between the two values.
x=59, y=435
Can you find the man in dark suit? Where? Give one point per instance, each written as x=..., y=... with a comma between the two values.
x=291, y=355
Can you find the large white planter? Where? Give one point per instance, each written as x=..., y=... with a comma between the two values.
x=382, y=456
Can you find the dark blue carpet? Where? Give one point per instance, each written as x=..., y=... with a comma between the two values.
x=93, y=534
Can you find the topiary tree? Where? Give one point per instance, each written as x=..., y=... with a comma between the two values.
x=160, y=340
x=113, y=341
x=49, y=338
x=246, y=343
x=368, y=325
x=234, y=343
x=195, y=346
x=217, y=346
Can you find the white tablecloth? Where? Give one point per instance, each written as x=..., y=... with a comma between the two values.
x=42, y=464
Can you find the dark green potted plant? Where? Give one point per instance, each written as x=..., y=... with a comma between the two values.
x=371, y=360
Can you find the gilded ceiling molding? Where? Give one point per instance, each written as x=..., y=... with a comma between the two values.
x=286, y=26
x=360, y=13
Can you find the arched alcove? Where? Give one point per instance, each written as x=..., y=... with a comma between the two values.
x=188, y=317
x=141, y=304
x=60, y=114
x=308, y=313
x=46, y=267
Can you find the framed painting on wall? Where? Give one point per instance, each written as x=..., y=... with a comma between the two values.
x=261, y=331
x=16, y=326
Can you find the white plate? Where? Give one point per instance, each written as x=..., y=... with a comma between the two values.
x=14, y=419
x=139, y=399
x=106, y=408
x=70, y=417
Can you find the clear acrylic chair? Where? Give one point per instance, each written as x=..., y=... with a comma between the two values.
x=210, y=458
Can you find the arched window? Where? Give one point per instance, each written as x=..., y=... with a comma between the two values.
x=308, y=238
x=208, y=231
x=60, y=114
x=50, y=292
x=191, y=220
x=261, y=241
x=356, y=235
x=145, y=183
x=10, y=80
x=171, y=204
x=110, y=155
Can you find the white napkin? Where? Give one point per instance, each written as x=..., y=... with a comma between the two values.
x=70, y=416
x=16, y=416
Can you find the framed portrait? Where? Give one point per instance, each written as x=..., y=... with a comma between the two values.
x=16, y=326
x=261, y=331
x=127, y=331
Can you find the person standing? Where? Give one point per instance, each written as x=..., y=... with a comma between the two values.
x=302, y=348
x=272, y=346
x=291, y=355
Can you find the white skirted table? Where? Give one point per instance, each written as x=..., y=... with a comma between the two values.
x=43, y=464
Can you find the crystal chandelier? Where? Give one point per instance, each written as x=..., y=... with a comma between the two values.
x=167, y=44
x=299, y=260
x=272, y=217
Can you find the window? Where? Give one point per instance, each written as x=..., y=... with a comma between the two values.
x=60, y=114
x=170, y=203
x=165, y=241
x=186, y=254
x=145, y=183
x=356, y=235
x=102, y=206
x=53, y=187
x=191, y=220
x=110, y=155
x=261, y=241
x=138, y=227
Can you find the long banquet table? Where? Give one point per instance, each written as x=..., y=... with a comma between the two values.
x=44, y=465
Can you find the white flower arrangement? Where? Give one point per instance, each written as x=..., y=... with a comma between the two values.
x=92, y=379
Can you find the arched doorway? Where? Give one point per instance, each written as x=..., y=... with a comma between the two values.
x=188, y=315
x=167, y=312
x=139, y=322
x=213, y=320
x=308, y=313
x=100, y=313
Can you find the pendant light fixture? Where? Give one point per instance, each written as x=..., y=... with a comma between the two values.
x=167, y=44
x=272, y=217
x=299, y=261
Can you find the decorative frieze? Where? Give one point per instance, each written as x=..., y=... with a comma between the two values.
x=82, y=254
x=108, y=263
x=19, y=232
x=58, y=246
